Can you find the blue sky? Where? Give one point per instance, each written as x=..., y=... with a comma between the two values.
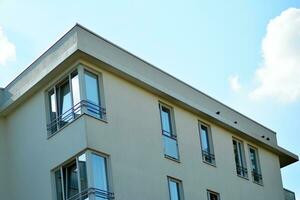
x=243, y=53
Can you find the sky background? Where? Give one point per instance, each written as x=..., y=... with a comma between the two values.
x=242, y=53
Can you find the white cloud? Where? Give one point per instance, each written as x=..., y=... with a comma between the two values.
x=279, y=75
x=7, y=49
x=234, y=83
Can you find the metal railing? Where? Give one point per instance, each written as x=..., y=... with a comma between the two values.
x=257, y=177
x=208, y=157
x=92, y=193
x=289, y=195
x=83, y=107
x=170, y=145
x=242, y=171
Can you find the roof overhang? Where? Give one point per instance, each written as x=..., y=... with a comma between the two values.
x=80, y=43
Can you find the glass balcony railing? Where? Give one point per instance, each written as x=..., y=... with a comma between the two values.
x=170, y=146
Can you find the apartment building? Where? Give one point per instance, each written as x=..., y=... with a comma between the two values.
x=89, y=120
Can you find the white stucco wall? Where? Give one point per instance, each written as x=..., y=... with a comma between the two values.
x=132, y=138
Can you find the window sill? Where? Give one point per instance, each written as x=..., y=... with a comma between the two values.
x=171, y=158
x=86, y=114
x=209, y=163
x=243, y=177
x=258, y=183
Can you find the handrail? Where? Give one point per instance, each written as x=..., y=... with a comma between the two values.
x=82, y=107
x=208, y=156
x=257, y=177
x=93, y=192
x=169, y=135
x=242, y=171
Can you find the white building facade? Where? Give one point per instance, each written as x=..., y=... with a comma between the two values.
x=88, y=120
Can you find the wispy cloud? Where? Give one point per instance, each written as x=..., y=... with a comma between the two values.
x=234, y=83
x=279, y=75
x=7, y=49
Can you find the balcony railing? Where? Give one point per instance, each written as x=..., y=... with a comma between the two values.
x=83, y=107
x=257, y=177
x=241, y=171
x=93, y=193
x=289, y=195
x=208, y=157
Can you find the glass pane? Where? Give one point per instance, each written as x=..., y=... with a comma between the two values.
x=170, y=147
x=53, y=110
x=65, y=103
x=92, y=94
x=213, y=196
x=83, y=173
x=58, y=184
x=99, y=172
x=166, y=121
x=71, y=180
x=204, y=139
x=76, y=92
x=174, y=190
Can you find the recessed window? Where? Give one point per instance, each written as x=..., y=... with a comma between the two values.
x=213, y=195
x=168, y=132
x=71, y=97
x=71, y=179
x=239, y=156
x=175, y=189
x=255, y=165
x=206, y=144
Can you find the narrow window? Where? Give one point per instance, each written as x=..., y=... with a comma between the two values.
x=92, y=94
x=169, y=136
x=75, y=93
x=206, y=144
x=255, y=165
x=213, y=195
x=99, y=171
x=64, y=103
x=58, y=184
x=175, y=189
x=71, y=180
x=239, y=156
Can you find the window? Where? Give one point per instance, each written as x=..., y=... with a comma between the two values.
x=212, y=195
x=72, y=182
x=255, y=165
x=239, y=156
x=169, y=136
x=72, y=97
x=206, y=144
x=175, y=189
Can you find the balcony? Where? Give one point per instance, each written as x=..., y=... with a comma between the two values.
x=241, y=171
x=93, y=193
x=208, y=157
x=289, y=195
x=83, y=107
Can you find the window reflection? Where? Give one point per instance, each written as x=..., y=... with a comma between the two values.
x=174, y=190
x=92, y=94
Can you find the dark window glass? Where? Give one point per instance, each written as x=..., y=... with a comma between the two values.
x=166, y=121
x=58, y=184
x=53, y=110
x=213, y=196
x=205, y=139
x=65, y=103
x=240, y=158
x=255, y=166
x=71, y=180
x=83, y=172
x=75, y=93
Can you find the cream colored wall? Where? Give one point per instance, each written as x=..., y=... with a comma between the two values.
x=3, y=159
x=132, y=138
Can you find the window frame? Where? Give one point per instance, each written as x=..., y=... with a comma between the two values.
x=179, y=187
x=211, y=151
x=212, y=192
x=242, y=159
x=173, y=134
x=76, y=110
x=258, y=165
x=89, y=173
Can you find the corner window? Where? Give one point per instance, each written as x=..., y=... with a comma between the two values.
x=74, y=180
x=212, y=195
x=239, y=156
x=206, y=144
x=77, y=93
x=168, y=132
x=255, y=165
x=175, y=189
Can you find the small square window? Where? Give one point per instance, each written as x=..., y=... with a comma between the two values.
x=213, y=195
